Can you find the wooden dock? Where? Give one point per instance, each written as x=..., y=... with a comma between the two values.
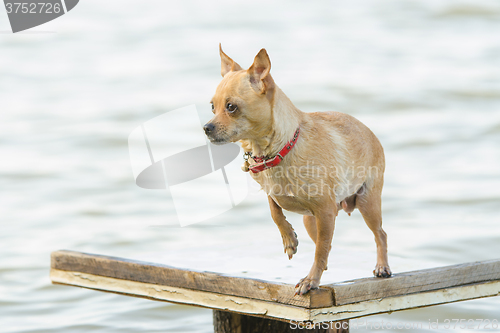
x=251, y=305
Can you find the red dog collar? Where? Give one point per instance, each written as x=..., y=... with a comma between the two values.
x=269, y=163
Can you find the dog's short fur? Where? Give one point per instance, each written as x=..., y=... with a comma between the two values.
x=337, y=162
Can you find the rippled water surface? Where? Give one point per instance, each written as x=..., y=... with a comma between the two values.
x=423, y=75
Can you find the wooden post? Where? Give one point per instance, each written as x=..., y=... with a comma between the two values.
x=231, y=322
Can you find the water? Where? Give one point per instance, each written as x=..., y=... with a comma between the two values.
x=423, y=75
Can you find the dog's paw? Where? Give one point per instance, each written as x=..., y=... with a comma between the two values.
x=305, y=285
x=382, y=271
x=290, y=244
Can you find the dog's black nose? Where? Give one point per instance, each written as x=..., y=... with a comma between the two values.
x=209, y=128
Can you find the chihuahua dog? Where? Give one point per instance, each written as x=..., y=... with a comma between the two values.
x=313, y=164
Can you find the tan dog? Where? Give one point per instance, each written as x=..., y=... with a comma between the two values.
x=334, y=163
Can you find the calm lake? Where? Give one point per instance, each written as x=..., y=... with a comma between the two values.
x=423, y=75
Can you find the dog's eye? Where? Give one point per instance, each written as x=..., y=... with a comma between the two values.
x=231, y=107
x=213, y=107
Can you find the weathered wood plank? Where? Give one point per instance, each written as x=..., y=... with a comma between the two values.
x=157, y=292
x=405, y=302
x=275, y=310
x=360, y=290
x=152, y=273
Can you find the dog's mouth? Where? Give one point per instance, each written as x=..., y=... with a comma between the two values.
x=218, y=141
x=222, y=138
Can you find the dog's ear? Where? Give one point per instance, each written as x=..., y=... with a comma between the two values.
x=227, y=64
x=259, y=73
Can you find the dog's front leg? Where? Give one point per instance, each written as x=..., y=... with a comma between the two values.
x=289, y=236
x=325, y=223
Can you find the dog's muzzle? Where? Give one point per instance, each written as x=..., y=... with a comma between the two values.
x=211, y=133
x=209, y=128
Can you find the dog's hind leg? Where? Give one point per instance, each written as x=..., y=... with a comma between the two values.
x=369, y=204
x=311, y=228
x=289, y=236
x=310, y=224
